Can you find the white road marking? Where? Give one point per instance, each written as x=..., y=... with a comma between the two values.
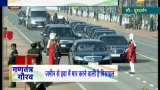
x=138, y=78
x=126, y=72
x=153, y=59
x=19, y=31
x=144, y=81
x=131, y=75
x=81, y=86
x=29, y=40
x=151, y=85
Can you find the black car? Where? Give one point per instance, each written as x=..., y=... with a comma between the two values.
x=79, y=30
x=88, y=28
x=117, y=44
x=92, y=29
x=64, y=33
x=73, y=23
x=86, y=51
x=98, y=32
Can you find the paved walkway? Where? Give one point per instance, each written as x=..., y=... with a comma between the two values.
x=140, y=33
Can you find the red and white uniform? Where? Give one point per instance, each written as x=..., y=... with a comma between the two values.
x=132, y=52
x=51, y=52
x=51, y=46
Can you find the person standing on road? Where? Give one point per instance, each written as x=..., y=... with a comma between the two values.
x=58, y=52
x=40, y=48
x=151, y=24
x=34, y=50
x=12, y=60
x=131, y=53
x=51, y=46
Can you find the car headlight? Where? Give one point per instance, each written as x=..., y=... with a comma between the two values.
x=78, y=58
x=107, y=58
x=63, y=45
x=33, y=22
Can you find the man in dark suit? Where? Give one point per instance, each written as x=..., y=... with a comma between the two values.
x=12, y=60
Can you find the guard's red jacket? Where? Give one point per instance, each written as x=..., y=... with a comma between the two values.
x=51, y=47
x=132, y=52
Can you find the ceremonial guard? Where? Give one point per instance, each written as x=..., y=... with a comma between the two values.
x=132, y=53
x=51, y=46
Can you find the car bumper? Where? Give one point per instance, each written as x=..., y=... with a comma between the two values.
x=65, y=50
x=37, y=25
x=119, y=57
x=102, y=62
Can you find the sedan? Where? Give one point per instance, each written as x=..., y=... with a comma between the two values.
x=64, y=33
x=87, y=51
x=117, y=44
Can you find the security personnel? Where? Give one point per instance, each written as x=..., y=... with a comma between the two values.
x=58, y=51
x=40, y=48
x=12, y=60
x=132, y=53
x=34, y=50
x=151, y=23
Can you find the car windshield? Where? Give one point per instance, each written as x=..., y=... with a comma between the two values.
x=90, y=47
x=38, y=14
x=79, y=28
x=114, y=40
x=62, y=32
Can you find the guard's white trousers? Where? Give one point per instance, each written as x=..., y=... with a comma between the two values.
x=132, y=66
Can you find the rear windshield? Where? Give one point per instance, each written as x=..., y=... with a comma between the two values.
x=114, y=40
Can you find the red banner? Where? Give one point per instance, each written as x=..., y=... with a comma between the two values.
x=24, y=60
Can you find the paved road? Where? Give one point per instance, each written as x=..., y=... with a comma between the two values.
x=146, y=69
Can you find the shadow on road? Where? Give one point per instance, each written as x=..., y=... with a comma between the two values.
x=153, y=72
x=47, y=84
x=123, y=68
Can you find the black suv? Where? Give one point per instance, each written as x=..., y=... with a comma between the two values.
x=64, y=33
x=117, y=44
x=86, y=51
